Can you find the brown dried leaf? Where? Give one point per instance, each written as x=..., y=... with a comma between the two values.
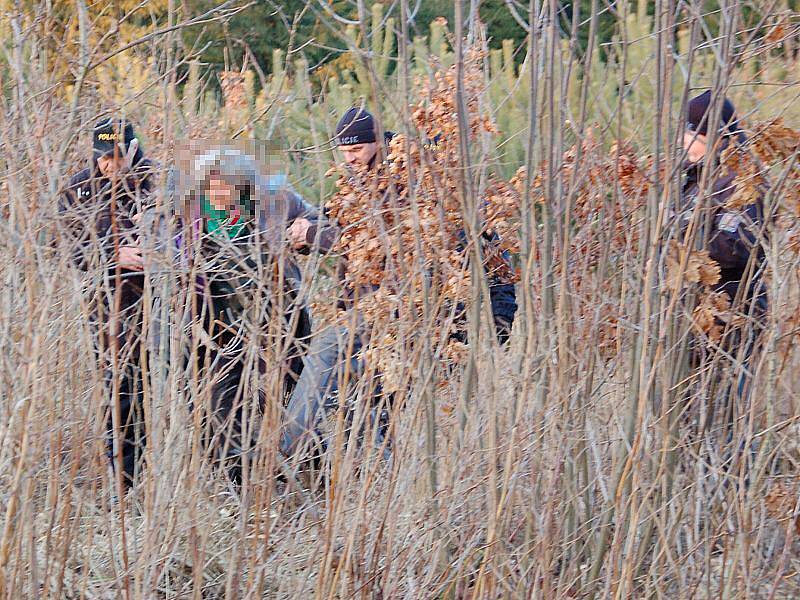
x=700, y=268
x=707, y=268
x=711, y=314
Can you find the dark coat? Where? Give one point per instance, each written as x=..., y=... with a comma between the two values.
x=732, y=240
x=503, y=296
x=234, y=276
x=97, y=216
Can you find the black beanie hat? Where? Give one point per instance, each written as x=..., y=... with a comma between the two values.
x=110, y=132
x=697, y=115
x=357, y=126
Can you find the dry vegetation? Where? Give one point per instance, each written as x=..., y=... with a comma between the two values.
x=585, y=460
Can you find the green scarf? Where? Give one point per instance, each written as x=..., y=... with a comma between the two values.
x=218, y=221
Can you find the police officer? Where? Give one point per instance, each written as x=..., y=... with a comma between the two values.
x=99, y=208
x=331, y=349
x=734, y=240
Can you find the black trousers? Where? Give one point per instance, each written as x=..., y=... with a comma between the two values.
x=131, y=433
x=223, y=426
x=126, y=381
x=236, y=400
x=717, y=428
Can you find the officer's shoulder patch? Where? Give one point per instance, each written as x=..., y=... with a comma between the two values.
x=729, y=222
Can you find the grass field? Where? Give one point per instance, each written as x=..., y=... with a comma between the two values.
x=587, y=459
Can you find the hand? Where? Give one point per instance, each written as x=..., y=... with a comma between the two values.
x=297, y=233
x=130, y=257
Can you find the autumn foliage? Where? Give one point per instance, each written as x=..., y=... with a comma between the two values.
x=593, y=455
x=405, y=235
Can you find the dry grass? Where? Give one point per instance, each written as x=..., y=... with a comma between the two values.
x=570, y=464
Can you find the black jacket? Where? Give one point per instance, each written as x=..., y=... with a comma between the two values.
x=96, y=215
x=503, y=296
x=732, y=239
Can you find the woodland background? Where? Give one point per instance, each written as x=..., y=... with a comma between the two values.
x=565, y=466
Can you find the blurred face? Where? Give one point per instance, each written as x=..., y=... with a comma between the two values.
x=695, y=146
x=110, y=165
x=359, y=154
x=220, y=194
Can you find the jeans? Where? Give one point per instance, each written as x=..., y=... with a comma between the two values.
x=325, y=363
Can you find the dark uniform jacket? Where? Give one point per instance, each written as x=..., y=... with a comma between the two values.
x=733, y=239
x=502, y=295
x=97, y=216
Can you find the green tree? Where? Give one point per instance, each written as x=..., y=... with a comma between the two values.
x=262, y=28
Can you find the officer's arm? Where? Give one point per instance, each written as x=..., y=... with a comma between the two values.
x=322, y=234
x=74, y=233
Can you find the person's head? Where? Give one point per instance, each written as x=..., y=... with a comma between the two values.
x=111, y=165
x=698, y=114
x=221, y=194
x=228, y=192
x=115, y=147
x=226, y=178
x=356, y=137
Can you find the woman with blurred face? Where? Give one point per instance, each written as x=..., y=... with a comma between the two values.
x=237, y=235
